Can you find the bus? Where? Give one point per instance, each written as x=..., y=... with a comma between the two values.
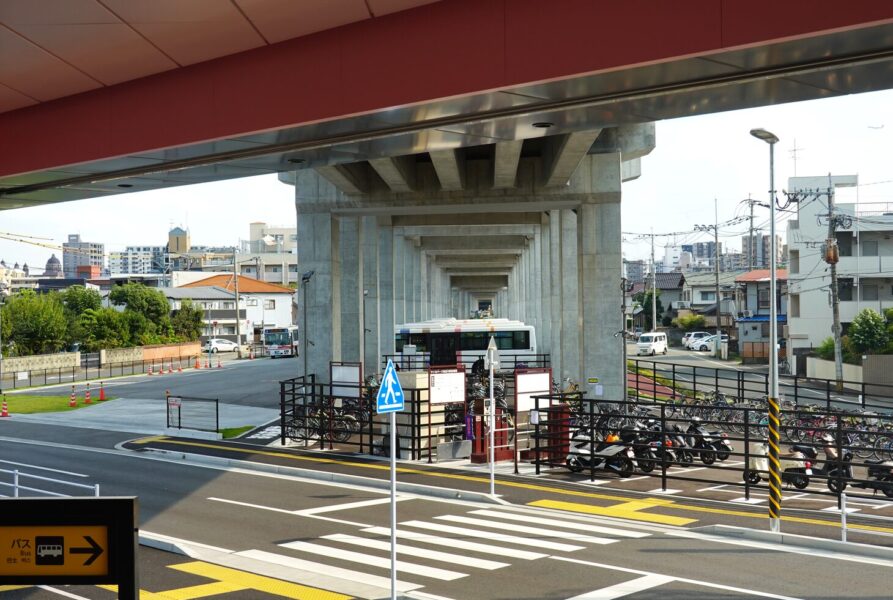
x=281, y=341
x=455, y=341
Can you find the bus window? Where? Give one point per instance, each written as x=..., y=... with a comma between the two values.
x=420, y=341
x=400, y=340
x=503, y=340
x=520, y=340
x=473, y=341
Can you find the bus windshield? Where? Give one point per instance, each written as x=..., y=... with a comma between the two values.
x=278, y=338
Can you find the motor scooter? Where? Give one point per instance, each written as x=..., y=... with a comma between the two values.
x=837, y=471
x=614, y=454
x=880, y=477
x=647, y=447
x=708, y=445
x=795, y=466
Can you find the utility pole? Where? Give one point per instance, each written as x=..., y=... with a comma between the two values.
x=653, y=286
x=832, y=254
x=751, y=251
x=238, y=318
x=717, y=346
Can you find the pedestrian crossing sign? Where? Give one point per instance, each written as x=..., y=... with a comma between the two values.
x=390, y=395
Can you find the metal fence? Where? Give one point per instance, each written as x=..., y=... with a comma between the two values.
x=190, y=412
x=652, y=380
x=841, y=450
x=39, y=377
x=26, y=482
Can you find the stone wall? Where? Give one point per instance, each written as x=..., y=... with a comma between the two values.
x=40, y=362
x=816, y=368
x=150, y=353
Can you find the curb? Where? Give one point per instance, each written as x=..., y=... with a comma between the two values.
x=357, y=480
x=798, y=541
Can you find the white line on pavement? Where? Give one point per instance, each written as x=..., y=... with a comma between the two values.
x=72, y=473
x=288, y=512
x=633, y=586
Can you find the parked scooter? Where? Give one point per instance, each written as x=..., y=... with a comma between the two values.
x=708, y=445
x=796, y=467
x=647, y=447
x=614, y=453
x=684, y=453
x=880, y=477
x=837, y=472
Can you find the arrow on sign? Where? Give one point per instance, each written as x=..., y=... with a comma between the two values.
x=95, y=551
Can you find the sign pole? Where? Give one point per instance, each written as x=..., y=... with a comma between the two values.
x=492, y=437
x=393, y=432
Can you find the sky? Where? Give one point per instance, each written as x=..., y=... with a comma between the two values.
x=696, y=159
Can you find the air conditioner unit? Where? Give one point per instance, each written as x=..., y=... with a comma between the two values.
x=747, y=314
x=681, y=304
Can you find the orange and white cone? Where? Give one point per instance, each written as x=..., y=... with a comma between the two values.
x=5, y=412
x=198, y=364
x=72, y=401
x=87, y=395
x=179, y=366
x=170, y=368
x=219, y=364
x=101, y=392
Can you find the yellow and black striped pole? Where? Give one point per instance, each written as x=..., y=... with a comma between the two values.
x=774, y=468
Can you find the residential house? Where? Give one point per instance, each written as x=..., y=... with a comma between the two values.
x=700, y=292
x=753, y=318
x=219, y=311
x=669, y=287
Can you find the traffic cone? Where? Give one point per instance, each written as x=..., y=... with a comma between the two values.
x=5, y=412
x=208, y=363
x=198, y=364
x=219, y=364
x=179, y=366
x=251, y=353
x=170, y=368
x=87, y=395
x=73, y=401
x=101, y=392
x=150, y=369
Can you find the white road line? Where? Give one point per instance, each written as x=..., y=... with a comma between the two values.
x=626, y=588
x=62, y=592
x=72, y=473
x=457, y=544
x=714, y=488
x=370, y=560
x=496, y=537
x=327, y=570
x=559, y=523
x=512, y=527
x=717, y=586
x=295, y=513
x=457, y=559
x=349, y=505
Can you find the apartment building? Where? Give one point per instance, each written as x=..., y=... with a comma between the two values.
x=76, y=253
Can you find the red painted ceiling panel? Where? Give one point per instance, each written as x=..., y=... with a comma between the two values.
x=386, y=7
x=34, y=72
x=11, y=99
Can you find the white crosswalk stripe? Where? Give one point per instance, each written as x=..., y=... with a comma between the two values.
x=526, y=518
x=514, y=527
x=457, y=544
x=374, y=561
x=456, y=559
x=495, y=537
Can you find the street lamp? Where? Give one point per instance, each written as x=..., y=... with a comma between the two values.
x=774, y=412
x=305, y=280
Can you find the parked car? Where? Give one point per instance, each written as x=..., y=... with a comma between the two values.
x=219, y=345
x=690, y=342
x=707, y=343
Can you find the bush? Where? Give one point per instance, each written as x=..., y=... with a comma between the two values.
x=868, y=331
x=691, y=322
x=850, y=355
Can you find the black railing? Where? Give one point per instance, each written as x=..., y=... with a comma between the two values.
x=190, y=412
x=654, y=380
x=838, y=449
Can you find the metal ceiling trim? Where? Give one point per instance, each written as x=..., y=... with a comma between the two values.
x=656, y=91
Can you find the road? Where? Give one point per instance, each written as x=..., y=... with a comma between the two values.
x=333, y=537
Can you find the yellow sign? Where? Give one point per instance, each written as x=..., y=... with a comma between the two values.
x=54, y=550
x=592, y=380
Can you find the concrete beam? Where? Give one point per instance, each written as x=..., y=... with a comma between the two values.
x=464, y=252
x=449, y=167
x=632, y=141
x=563, y=155
x=397, y=172
x=505, y=163
x=475, y=243
x=463, y=230
x=631, y=169
x=344, y=179
x=463, y=220
x=492, y=283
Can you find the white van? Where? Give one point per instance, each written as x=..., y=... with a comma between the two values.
x=652, y=343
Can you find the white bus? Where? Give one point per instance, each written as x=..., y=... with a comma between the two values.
x=455, y=341
x=281, y=341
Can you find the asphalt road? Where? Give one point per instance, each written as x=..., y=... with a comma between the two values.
x=333, y=537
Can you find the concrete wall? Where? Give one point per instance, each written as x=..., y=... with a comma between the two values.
x=119, y=355
x=62, y=360
x=816, y=368
x=877, y=369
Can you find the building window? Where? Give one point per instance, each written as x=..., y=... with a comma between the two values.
x=795, y=261
x=269, y=304
x=869, y=248
x=845, y=242
x=869, y=292
x=762, y=298
x=795, y=305
x=845, y=290
x=252, y=302
x=229, y=305
x=708, y=296
x=764, y=330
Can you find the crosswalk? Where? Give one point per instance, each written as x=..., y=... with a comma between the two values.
x=443, y=548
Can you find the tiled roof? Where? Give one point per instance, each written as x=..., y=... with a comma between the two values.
x=247, y=285
x=759, y=275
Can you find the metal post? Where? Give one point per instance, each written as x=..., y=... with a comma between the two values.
x=238, y=319
x=492, y=437
x=96, y=490
x=15, y=483
x=663, y=447
x=746, y=453
x=717, y=352
x=393, y=432
x=843, y=516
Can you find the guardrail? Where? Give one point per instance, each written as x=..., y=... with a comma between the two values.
x=654, y=380
x=17, y=487
x=190, y=412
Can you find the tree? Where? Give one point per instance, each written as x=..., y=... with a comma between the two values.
x=691, y=322
x=146, y=301
x=187, y=321
x=33, y=323
x=77, y=300
x=104, y=328
x=643, y=299
x=868, y=331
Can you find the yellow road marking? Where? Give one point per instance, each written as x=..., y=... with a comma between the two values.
x=149, y=440
x=203, y=591
x=626, y=510
x=250, y=581
x=144, y=595
x=525, y=486
x=9, y=588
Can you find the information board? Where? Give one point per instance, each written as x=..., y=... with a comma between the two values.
x=347, y=379
x=446, y=386
x=528, y=385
